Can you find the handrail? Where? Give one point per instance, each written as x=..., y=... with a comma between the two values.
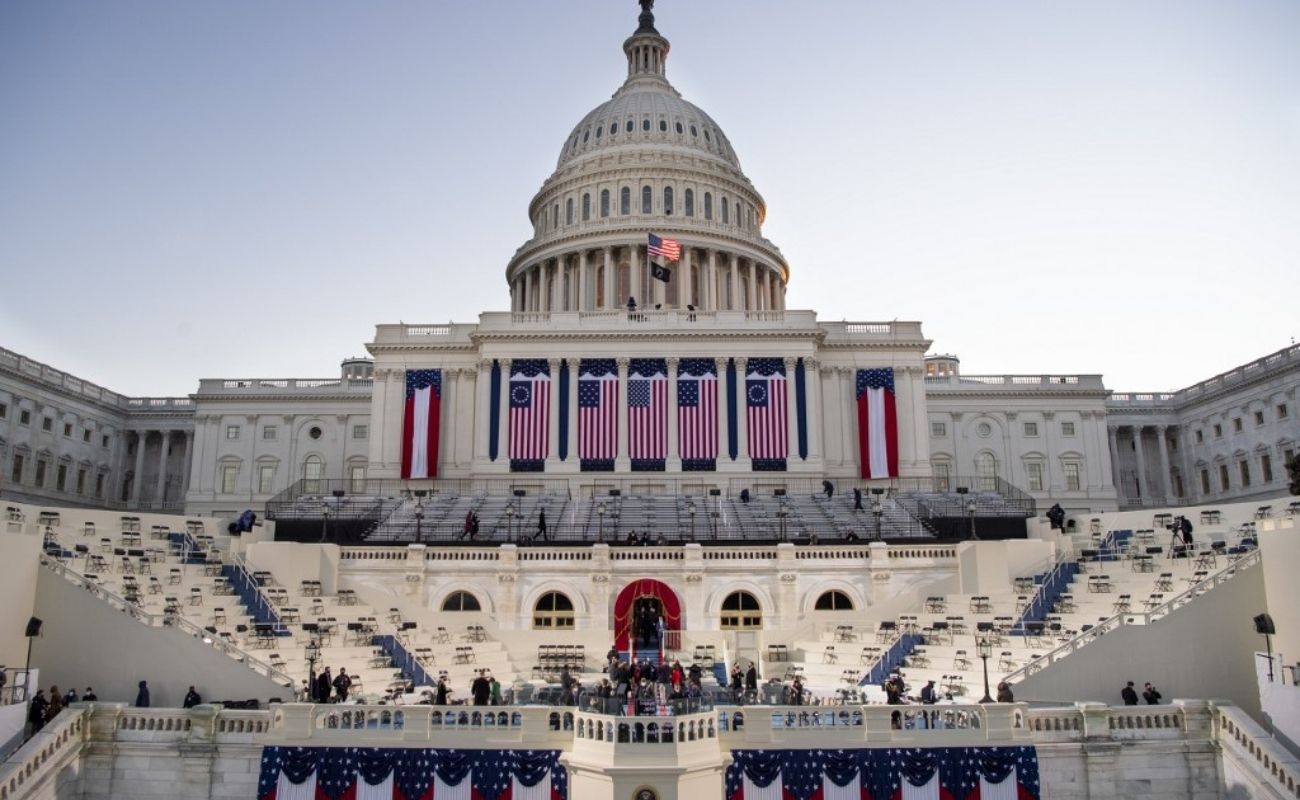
x=166, y=621
x=1122, y=618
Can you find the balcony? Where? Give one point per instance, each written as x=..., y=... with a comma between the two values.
x=1015, y=383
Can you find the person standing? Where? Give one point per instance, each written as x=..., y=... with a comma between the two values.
x=440, y=697
x=89, y=696
x=1004, y=693
x=1129, y=694
x=829, y=489
x=324, y=686
x=341, y=685
x=495, y=694
x=541, y=527
x=192, y=699
x=857, y=499
x=1151, y=695
x=751, y=682
x=142, y=696
x=36, y=711
x=55, y=705
x=480, y=690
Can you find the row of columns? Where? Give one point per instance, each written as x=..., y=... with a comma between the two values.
x=137, y=482
x=1145, y=489
x=725, y=412
x=540, y=287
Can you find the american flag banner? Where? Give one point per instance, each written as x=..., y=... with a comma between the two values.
x=597, y=414
x=877, y=423
x=667, y=249
x=765, y=419
x=697, y=414
x=647, y=414
x=530, y=414
x=948, y=773
x=366, y=773
x=420, y=423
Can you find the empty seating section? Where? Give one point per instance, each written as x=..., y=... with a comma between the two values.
x=249, y=614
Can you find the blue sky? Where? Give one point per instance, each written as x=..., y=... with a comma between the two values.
x=244, y=189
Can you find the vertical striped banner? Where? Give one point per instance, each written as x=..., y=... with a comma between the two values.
x=697, y=414
x=597, y=414
x=530, y=408
x=765, y=407
x=647, y=414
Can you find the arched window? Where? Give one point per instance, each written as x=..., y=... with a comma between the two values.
x=739, y=221
x=553, y=610
x=555, y=217
x=726, y=217
x=625, y=201
x=313, y=469
x=834, y=600
x=645, y=124
x=663, y=126
x=461, y=601
x=741, y=610
x=647, y=200
x=604, y=202
x=586, y=207
x=668, y=200
x=708, y=205
x=568, y=211
x=986, y=471
x=688, y=200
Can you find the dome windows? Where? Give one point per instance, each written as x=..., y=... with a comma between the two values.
x=555, y=217
x=688, y=201
x=586, y=135
x=708, y=205
x=668, y=200
x=738, y=220
x=586, y=207
x=694, y=132
x=604, y=202
x=599, y=130
x=663, y=126
x=568, y=211
x=726, y=217
x=706, y=135
x=645, y=124
x=679, y=128
x=625, y=201
x=647, y=200
x=630, y=125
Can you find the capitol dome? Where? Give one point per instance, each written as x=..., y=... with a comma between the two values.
x=647, y=161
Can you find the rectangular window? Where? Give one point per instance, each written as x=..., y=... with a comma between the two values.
x=85, y=435
x=1031, y=428
x=228, y=475
x=942, y=477
x=81, y=481
x=1266, y=468
x=17, y=475
x=1200, y=437
x=938, y=430
x=1245, y=473
x=61, y=481
x=1034, y=472
x=40, y=473
x=1179, y=490
x=358, y=476
x=1205, y=481
x=4, y=410
x=104, y=441
x=1259, y=417
x=232, y=431
x=1224, y=483
x=1282, y=411
x=1072, y=477
x=24, y=417
x=269, y=433
x=99, y=485
x=47, y=424
x=1218, y=431
x=265, y=479
x=1067, y=428
x=1236, y=425
x=67, y=429
x=360, y=431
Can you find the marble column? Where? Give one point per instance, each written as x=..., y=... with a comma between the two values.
x=733, y=296
x=187, y=463
x=792, y=410
x=137, y=480
x=742, y=419
x=634, y=277
x=1166, y=478
x=162, y=466
x=449, y=430
x=553, y=416
x=622, y=463
x=1143, y=490
x=724, y=411
x=610, y=302
x=751, y=294
x=1112, y=433
x=572, y=411
x=711, y=282
x=503, y=412
x=813, y=378
x=685, y=294
x=674, y=451
x=527, y=304
x=482, y=414
x=582, y=282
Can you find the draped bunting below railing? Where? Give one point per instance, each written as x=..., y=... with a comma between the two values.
x=947, y=773
x=366, y=773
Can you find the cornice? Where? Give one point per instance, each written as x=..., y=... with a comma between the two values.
x=281, y=398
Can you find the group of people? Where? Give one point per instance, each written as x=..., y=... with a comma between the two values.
x=648, y=625
x=326, y=689
x=744, y=684
x=470, y=529
x=1149, y=693
x=46, y=705
x=644, y=686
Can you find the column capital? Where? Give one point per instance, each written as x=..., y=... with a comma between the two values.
x=554, y=364
x=485, y=363
x=622, y=362
x=672, y=362
x=790, y=362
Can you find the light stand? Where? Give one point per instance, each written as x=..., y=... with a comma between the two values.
x=313, y=654
x=33, y=630
x=877, y=510
x=419, y=518
x=690, y=509
x=985, y=649
x=970, y=512
x=510, y=520
x=325, y=524
x=600, y=531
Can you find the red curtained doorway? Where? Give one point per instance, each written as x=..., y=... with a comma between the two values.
x=626, y=601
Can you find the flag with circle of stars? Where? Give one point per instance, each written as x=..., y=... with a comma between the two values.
x=342, y=773
x=882, y=772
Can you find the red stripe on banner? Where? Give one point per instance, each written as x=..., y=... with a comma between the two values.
x=435, y=424
x=891, y=435
x=408, y=425
x=864, y=438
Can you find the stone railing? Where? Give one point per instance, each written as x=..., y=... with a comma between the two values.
x=44, y=756
x=277, y=386
x=43, y=373
x=646, y=732
x=397, y=556
x=1224, y=380
x=1017, y=382
x=1123, y=618
x=1255, y=752
x=464, y=726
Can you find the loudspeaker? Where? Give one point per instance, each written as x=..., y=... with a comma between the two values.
x=962, y=490
x=34, y=627
x=519, y=492
x=615, y=492
x=778, y=493
x=714, y=492
x=338, y=492
x=1263, y=625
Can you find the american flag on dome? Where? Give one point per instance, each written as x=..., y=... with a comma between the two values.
x=667, y=249
x=364, y=773
x=765, y=407
x=877, y=423
x=946, y=773
x=697, y=414
x=530, y=414
x=420, y=423
x=647, y=414
x=597, y=414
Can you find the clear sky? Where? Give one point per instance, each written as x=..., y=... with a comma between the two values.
x=245, y=188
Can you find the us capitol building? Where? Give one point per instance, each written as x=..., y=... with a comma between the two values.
x=648, y=161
